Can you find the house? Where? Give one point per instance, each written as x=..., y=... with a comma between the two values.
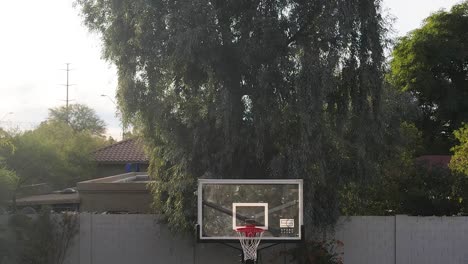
x=123, y=193
x=121, y=157
x=63, y=200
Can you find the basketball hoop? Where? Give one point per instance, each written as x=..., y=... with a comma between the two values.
x=249, y=237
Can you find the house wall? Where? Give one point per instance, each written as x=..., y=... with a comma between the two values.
x=143, y=239
x=122, y=201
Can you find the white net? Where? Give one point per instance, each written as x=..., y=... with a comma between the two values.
x=250, y=238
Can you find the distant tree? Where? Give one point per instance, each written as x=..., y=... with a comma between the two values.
x=459, y=161
x=381, y=195
x=80, y=117
x=110, y=140
x=8, y=185
x=415, y=190
x=432, y=63
x=128, y=134
x=53, y=153
x=434, y=190
x=6, y=145
x=8, y=178
x=406, y=186
x=249, y=89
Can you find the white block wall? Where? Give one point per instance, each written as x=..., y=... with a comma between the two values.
x=432, y=240
x=122, y=239
x=129, y=239
x=367, y=239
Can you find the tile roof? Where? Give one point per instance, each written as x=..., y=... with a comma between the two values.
x=125, y=151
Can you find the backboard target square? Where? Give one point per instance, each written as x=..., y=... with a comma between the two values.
x=257, y=212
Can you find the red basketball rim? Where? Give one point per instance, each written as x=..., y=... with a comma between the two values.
x=250, y=230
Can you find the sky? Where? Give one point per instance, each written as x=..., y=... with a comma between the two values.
x=40, y=37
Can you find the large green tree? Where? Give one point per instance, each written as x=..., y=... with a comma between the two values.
x=80, y=117
x=249, y=89
x=432, y=64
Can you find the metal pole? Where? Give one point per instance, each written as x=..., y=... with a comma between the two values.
x=67, y=100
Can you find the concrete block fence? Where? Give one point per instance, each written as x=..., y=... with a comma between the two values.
x=141, y=239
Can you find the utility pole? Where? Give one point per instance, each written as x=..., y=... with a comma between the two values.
x=68, y=70
x=67, y=86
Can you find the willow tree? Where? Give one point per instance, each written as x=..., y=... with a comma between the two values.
x=248, y=89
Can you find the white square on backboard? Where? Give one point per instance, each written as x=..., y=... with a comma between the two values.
x=234, y=213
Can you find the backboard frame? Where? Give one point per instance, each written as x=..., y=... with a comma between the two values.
x=202, y=182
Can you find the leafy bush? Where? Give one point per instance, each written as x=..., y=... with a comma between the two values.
x=459, y=160
x=43, y=239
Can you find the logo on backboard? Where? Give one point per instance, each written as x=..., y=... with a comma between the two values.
x=286, y=223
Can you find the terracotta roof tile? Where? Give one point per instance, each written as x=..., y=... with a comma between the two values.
x=125, y=151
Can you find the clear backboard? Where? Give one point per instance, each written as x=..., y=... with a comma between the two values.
x=273, y=205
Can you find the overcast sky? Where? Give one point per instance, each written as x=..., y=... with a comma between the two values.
x=39, y=37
